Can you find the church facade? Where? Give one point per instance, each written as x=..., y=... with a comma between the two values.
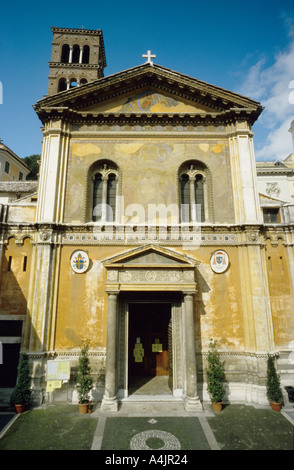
x=146, y=236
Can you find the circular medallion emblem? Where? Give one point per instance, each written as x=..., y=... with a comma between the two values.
x=219, y=261
x=79, y=261
x=166, y=440
x=150, y=276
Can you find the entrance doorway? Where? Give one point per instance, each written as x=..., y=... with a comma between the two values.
x=149, y=345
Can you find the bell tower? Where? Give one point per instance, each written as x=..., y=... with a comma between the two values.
x=78, y=57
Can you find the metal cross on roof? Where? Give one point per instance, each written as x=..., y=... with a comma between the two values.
x=149, y=56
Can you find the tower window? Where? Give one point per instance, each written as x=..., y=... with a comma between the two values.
x=65, y=54
x=86, y=54
x=62, y=84
x=75, y=54
x=73, y=83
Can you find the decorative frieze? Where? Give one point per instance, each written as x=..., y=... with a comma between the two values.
x=151, y=276
x=90, y=129
x=189, y=237
x=111, y=236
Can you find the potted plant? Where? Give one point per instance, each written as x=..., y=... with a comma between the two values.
x=84, y=379
x=215, y=378
x=273, y=386
x=21, y=395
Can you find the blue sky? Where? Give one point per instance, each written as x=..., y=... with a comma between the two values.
x=246, y=47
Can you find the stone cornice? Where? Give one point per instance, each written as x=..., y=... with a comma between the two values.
x=18, y=186
x=275, y=171
x=93, y=235
x=146, y=77
x=94, y=32
x=186, y=119
x=72, y=65
x=207, y=228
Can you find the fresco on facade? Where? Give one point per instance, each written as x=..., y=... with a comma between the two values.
x=149, y=101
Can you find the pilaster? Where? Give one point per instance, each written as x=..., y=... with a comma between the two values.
x=52, y=181
x=257, y=309
x=37, y=334
x=243, y=165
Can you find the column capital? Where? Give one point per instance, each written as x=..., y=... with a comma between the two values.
x=189, y=293
x=112, y=292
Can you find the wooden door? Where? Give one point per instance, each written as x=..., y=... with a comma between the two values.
x=148, y=339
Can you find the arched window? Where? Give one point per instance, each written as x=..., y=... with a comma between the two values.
x=193, y=192
x=97, y=196
x=62, y=84
x=65, y=54
x=83, y=81
x=75, y=54
x=104, y=193
x=199, y=198
x=86, y=55
x=185, y=197
x=73, y=83
x=111, y=196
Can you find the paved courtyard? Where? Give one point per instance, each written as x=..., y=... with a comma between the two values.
x=157, y=427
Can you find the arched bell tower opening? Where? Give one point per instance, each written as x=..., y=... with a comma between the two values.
x=78, y=54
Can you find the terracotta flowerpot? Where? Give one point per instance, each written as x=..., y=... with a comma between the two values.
x=20, y=408
x=276, y=406
x=83, y=407
x=217, y=407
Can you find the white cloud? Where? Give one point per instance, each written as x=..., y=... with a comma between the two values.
x=278, y=144
x=272, y=85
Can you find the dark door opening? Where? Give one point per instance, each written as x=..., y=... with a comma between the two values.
x=148, y=341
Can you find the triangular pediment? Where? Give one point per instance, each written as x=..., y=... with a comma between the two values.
x=269, y=199
x=144, y=90
x=151, y=255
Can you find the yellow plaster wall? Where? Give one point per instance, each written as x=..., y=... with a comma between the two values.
x=14, y=172
x=281, y=296
x=13, y=169
x=82, y=301
x=149, y=172
x=219, y=311
x=14, y=284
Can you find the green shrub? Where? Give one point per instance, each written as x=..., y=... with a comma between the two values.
x=84, y=379
x=22, y=392
x=215, y=375
x=274, y=391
